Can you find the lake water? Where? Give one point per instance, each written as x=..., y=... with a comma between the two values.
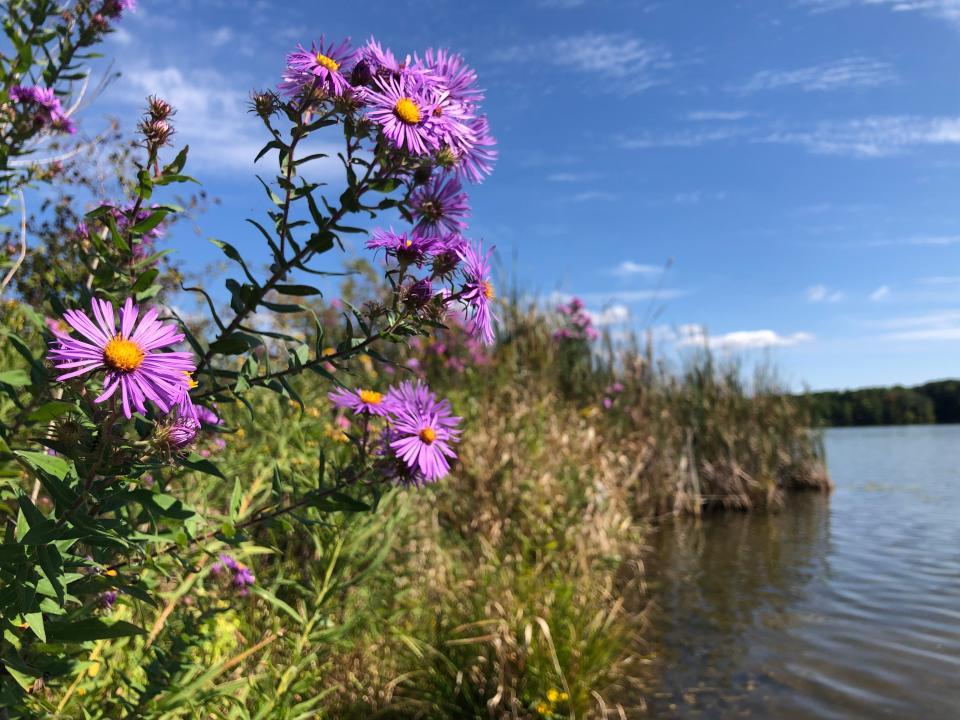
x=842, y=606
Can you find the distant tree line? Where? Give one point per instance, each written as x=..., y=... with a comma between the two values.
x=934, y=402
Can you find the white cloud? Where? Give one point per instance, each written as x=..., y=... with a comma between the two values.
x=844, y=74
x=874, y=136
x=920, y=241
x=682, y=139
x=211, y=116
x=941, y=280
x=696, y=336
x=631, y=63
x=718, y=115
x=221, y=36
x=629, y=268
x=591, y=195
x=569, y=177
x=943, y=9
x=941, y=325
x=618, y=297
x=612, y=315
x=880, y=293
x=821, y=293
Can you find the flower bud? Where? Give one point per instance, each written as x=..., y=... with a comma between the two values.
x=263, y=104
x=156, y=132
x=159, y=108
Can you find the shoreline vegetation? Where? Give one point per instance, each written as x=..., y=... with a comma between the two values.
x=391, y=504
x=936, y=402
x=514, y=588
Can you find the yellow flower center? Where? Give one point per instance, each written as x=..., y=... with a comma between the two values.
x=329, y=63
x=370, y=397
x=407, y=110
x=191, y=383
x=123, y=355
x=428, y=435
x=488, y=292
x=408, y=243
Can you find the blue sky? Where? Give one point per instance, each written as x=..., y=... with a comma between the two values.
x=796, y=163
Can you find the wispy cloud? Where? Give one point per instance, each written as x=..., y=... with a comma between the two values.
x=592, y=195
x=628, y=268
x=941, y=280
x=940, y=325
x=570, y=177
x=873, y=137
x=880, y=293
x=697, y=336
x=918, y=241
x=612, y=315
x=718, y=115
x=844, y=74
x=821, y=293
x=682, y=139
x=632, y=62
x=870, y=137
x=943, y=9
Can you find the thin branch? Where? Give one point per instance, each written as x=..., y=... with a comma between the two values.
x=23, y=244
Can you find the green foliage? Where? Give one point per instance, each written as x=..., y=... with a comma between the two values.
x=934, y=402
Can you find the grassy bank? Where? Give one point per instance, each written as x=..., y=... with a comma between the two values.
x=500, y=592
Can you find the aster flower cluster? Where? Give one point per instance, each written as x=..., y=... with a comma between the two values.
x=416, y=443
x=426, y=111
x=240, y=577
x=43, y=107
x=577, y=324
x=136, y=365
x=428, y=107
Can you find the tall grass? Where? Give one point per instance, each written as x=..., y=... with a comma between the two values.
x=514, y=589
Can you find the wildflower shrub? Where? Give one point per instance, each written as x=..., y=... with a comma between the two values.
x=189, y=505
x=112, y=396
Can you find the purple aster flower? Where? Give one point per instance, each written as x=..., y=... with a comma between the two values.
x=242, y=578
x=404, y=110
x=361, y=401
x=423, y=431
x=107, y=598
x=181, y=432
x=381, y=62
x=446, y=254
x=454, y=76
x=208, y=416
x=128, y=356
x=322, y=67
x=440, y=205
x=475, y=155
x=46, y=107
x=419, y=293
x=478, y=292
x=408, y=248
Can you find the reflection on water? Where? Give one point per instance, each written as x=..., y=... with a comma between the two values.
x=839, y=607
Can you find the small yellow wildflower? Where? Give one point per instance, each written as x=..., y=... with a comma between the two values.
x=93, y=669
x=564, y=697
x=110, y=573
x=542, y=708
x=553, y=695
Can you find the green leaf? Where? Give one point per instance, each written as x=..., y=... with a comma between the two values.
x=79, y=631
x=176, y=167
x=49, y=411
x=150, y=222
x=16, y=378
x=35, y=621
x=297, y=290
x=195, y=462
x=56, y=466
x=235, y=499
